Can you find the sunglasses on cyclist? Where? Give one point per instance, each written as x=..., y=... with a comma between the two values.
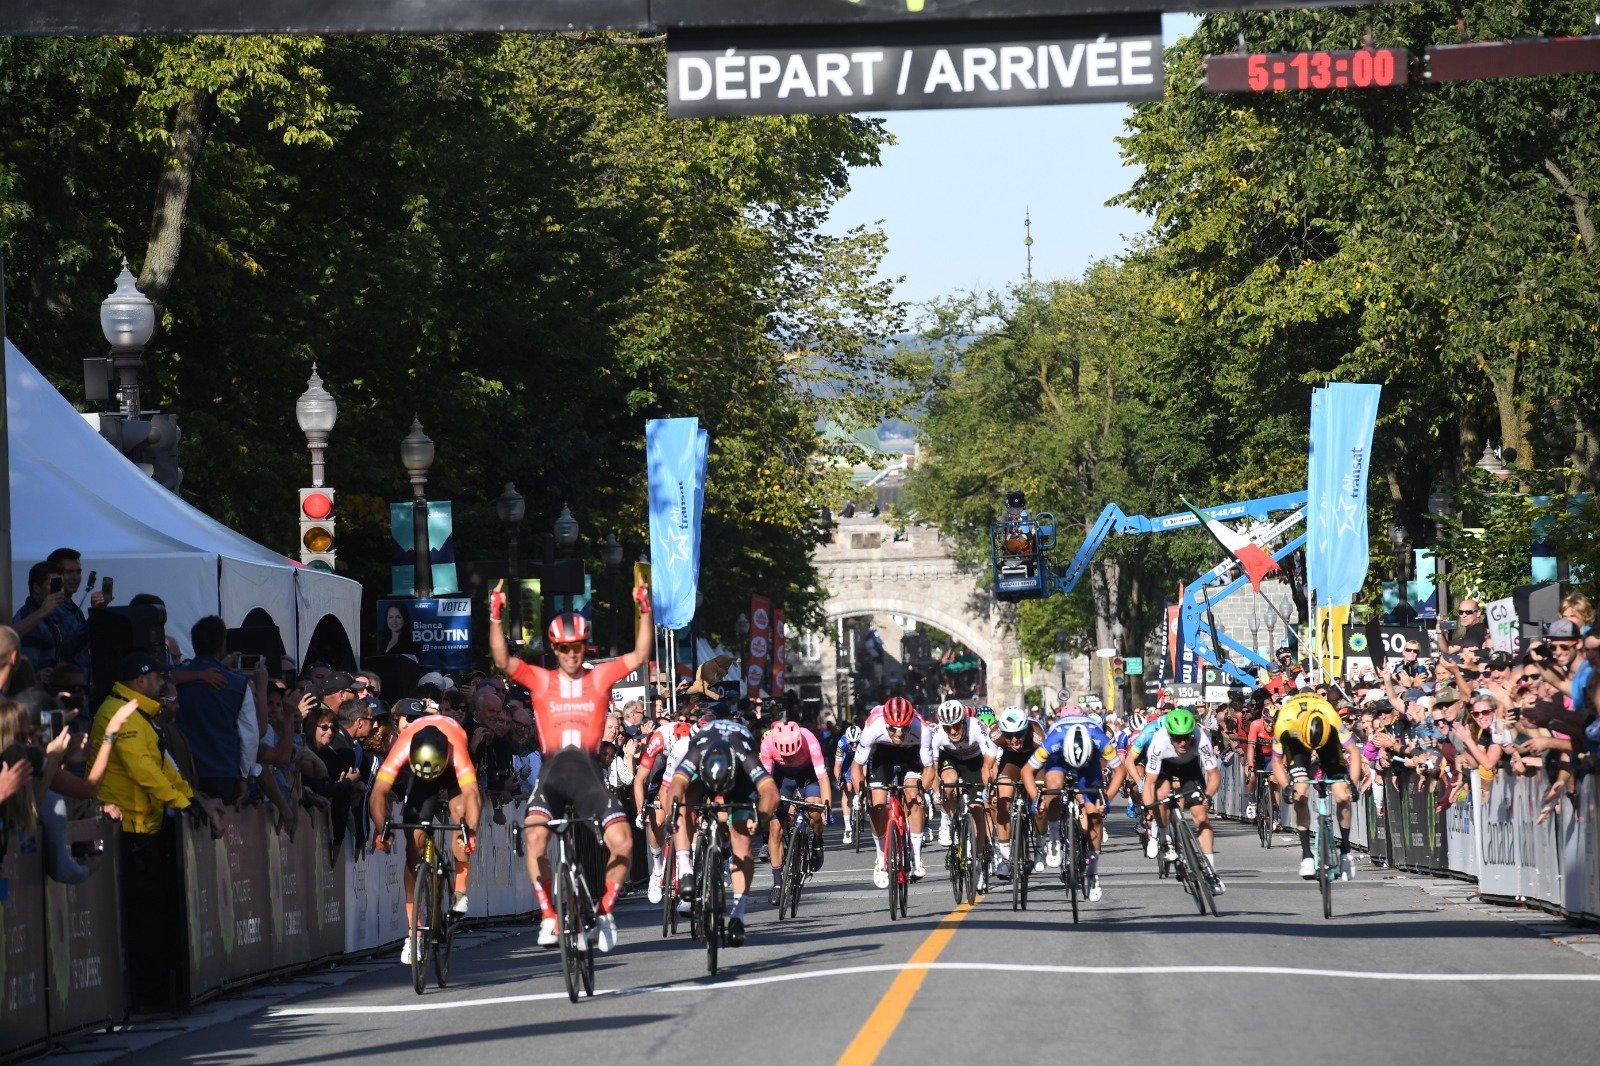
x=562, y=649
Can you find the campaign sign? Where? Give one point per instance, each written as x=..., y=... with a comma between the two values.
x=437, y=632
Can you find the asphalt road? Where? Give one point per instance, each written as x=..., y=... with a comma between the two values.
x=1394, y=976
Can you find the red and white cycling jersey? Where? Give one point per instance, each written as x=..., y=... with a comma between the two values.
x=570, y=711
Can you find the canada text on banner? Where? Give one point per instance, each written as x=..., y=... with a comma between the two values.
x=891, y=68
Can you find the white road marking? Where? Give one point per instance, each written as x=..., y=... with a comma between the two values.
x=985, y=967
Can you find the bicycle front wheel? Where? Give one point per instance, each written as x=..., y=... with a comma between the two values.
x=711, y=918
x=570, y=930
x=421, y=907
x=444, y=930
x=1069, y=868
x=975, y=861
x=1021, y=861
x=669, y=890
x=1198, y=876
x=1327, y=868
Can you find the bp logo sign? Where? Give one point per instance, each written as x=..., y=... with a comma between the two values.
x=1358, y=643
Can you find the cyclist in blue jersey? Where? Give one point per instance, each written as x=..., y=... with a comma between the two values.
x=1076, y=752
x=849, y=797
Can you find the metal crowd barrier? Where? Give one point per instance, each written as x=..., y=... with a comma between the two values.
x=1485, y=832
x=256, y=904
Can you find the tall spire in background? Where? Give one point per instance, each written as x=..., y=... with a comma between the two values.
x=1027, y=240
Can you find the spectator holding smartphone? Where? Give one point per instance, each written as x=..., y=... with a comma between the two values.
x=35, y=621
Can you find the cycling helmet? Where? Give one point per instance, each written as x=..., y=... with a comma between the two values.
x=952, y=712
x=716, y=768
x=898, y=712
x=1077, y=746
x=852, y=733
x=1179, y=722
x=1318, y=725
x=1013, y=721
x=430, y=753
x=986, y=716
x=787, y=739
x=569, y=628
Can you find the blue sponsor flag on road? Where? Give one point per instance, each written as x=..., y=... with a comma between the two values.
x=1343, y=415
x=675, y=460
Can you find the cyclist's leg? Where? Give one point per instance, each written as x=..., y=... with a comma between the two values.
x=1341, y=796
x=916, y=813
x=1299, y=773
x=458, y=814
x=1163, y=790
x=1050, y=809
x=778, y=827
x=742, y=866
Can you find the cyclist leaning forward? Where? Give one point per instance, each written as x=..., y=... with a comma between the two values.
x=570, y=705
x=1074, y=753
x=1016, y=737
x=430, y=764
x=1308, y=731
x=962, y=754
x=891, y=753
x=1181, y=756
x=792, y=754
x=723, y=764
x=849, y=798
x=656, y=762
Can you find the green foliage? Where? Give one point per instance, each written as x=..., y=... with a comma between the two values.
x=1490, y=534
x=505, y=236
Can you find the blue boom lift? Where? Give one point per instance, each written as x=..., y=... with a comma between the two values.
x=1020, y=543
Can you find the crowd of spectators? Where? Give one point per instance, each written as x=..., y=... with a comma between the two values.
x=1452, y=711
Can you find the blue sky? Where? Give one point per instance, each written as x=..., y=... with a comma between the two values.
x=952, y=193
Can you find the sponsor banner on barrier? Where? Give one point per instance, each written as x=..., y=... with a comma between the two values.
x=1461, y=847
x=1380, y=846
x=1541, y=879
x=1590, y=797
x=205, y=892
x=1498, y=874
x=85, y=932
x=1569, y=842
x=23, y=1017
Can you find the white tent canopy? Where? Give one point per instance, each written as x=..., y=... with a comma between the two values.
x=71, y=488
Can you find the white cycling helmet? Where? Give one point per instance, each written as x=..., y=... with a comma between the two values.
x=952, y=712
x=1014, y=720
x=852, y=733
x=1078, y=747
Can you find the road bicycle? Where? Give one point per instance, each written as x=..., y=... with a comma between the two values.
x=1323, y=845
x=801, y=842
x=712, y=849
x=1021, y=849
x=961, y=859
x=897, y=856
x=859, y=823
x=669, y=871
x=575, y=911
x=432, y=928
x=1266, y=811
x=1191, y=869
x=1075, y=861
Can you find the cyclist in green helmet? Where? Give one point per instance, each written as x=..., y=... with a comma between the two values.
x=1180, y=756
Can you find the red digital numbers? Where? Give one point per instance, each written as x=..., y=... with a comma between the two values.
x=1367, y=68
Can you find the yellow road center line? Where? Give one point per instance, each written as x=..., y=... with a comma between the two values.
x=885, y=1018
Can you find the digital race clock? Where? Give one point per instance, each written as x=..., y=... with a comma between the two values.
x=1266, y=72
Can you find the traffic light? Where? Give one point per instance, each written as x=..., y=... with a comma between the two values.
x=1119, y=670
x=316, y=528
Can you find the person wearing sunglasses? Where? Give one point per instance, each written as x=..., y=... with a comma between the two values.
x=570, y=708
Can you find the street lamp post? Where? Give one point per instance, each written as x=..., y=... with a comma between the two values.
x=512, y=508
x=316, y=411
x=1397, y=541
x=416, y=453
x=611, y=556
x=128, y=319
x=1439, y=504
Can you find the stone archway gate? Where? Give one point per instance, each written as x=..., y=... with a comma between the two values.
x=865, y=570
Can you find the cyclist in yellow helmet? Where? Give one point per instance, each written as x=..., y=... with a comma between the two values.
x=1308, y=730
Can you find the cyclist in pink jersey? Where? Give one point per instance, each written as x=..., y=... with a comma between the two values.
x=793, y=756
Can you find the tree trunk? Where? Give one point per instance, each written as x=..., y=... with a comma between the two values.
x=191, y=123
x=1104, y=584
x=1516, y=415
x=1586, y=446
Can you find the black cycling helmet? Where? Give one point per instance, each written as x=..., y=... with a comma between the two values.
x=716, y=769
x=430, y=753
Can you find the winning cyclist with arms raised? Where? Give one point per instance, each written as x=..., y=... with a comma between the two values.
x=570, y=705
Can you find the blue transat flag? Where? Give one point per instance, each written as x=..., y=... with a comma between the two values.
x=1342, y=419
x=675, y=458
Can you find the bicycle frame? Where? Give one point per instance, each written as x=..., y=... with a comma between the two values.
x=431, y=928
